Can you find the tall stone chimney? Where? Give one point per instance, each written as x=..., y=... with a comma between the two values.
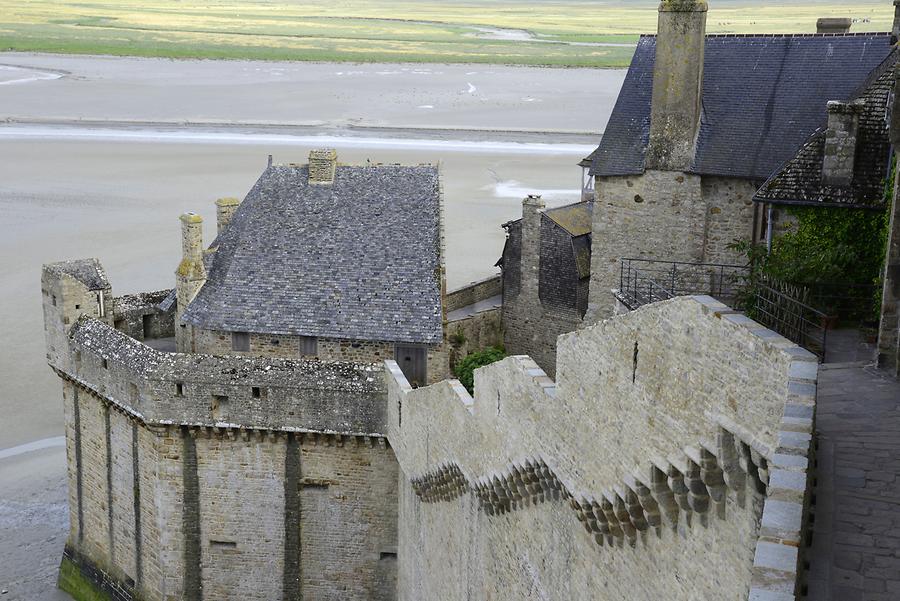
x=530, y=274
x=322, y=166
x=834, y=25
x=895, y=30
x=840, y=143
x=190, y=275
x=677, y=84
x=225, y=208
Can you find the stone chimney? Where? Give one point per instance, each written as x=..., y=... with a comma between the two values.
x=840, y=143
x=677, y=84
x=833, y=25
x=322, y=165
x=530, y=262
x=191, y=273
x=895, y=30
x=225, y=208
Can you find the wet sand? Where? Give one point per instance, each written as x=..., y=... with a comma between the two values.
x=114, y=191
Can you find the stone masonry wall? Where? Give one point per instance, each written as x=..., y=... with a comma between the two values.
x=474, y=292
x=542, y=295
x=659, y=215
x=665, y=216
x=669, y=460
x=474, y=333
x=202, y=477
x=889, y=330
x=139, y=315
x=329, y=349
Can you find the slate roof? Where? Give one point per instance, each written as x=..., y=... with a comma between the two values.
x=359, y=259
x=87, y=271
x=574, y=218
x=763, y=95
x=799, y=181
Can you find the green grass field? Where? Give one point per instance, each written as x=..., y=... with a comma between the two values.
x=387, y=30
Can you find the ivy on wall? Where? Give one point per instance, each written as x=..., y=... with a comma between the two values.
x=837, y=253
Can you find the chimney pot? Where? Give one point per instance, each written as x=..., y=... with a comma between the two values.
x=834, y=25
x=322, y=166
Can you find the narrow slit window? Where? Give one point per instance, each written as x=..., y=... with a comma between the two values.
x=257, y=393
x=179, y=389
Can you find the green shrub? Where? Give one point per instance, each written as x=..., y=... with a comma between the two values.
x=465, y=369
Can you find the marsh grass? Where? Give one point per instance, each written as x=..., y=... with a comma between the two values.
x=384, y=30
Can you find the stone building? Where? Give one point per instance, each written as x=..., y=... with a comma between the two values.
x=253, y=462
x=545, y=266
x=701, y=123
x=325, y=261
x=844, y=166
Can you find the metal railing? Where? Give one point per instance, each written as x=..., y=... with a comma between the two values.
x=644, y=281
x=783, y=312
x=778, y=306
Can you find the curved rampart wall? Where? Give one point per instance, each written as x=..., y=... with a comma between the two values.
x=669, y=460
x=205, y=477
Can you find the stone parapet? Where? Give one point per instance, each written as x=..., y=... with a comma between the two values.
x=225, y=392
x=473, y=293
x=677, y=414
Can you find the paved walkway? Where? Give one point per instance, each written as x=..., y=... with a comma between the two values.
x=855, y=553
x=495, y=302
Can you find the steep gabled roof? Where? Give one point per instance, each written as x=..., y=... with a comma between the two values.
x=763, y=95
x=799, y=181
x=358, y=259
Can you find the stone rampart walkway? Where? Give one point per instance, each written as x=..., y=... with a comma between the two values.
x=855, y=554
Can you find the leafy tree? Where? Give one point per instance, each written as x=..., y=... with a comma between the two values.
x=465, y=369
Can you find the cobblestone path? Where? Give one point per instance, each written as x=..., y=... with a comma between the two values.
x=855, y=554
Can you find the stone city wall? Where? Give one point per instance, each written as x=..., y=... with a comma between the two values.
x=668, y=460
x=665, y=216
x=473, y=293
x=202, y=477
x=177, y=512
x=888, y=353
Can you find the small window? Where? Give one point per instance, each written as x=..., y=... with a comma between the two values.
x=256, y=392
x=179, y=389
x=104, y=363
x=275, y=342
x=133, y=393
x=54, y=300
x=77, y=358
x=219, y=405
x=222, y=544
x=309, y=346
x=77, y=306
x=240, y=341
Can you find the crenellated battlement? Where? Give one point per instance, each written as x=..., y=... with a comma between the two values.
x=684, y=419
x=251, y=393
